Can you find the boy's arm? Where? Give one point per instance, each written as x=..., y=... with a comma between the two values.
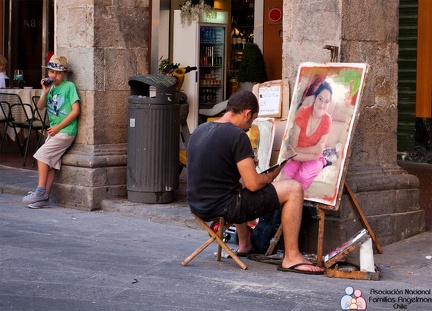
x=42, y=101
x=69, y=118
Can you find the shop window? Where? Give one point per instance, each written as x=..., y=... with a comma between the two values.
x=24, y=43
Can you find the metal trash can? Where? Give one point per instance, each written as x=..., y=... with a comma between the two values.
x=153, y=139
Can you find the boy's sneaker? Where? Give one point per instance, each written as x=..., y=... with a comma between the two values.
x=40, y=204
x=33, y=198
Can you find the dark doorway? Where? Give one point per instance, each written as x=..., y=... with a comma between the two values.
x=24, y=41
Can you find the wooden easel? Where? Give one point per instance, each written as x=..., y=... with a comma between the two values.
x=363, y=219
x=321, y=208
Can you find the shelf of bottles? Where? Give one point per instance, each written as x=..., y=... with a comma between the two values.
x=212, y=65
x=242, y=33
x=243, y=12
x=239, y=39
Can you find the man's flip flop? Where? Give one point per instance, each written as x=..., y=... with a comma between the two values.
x=244, y=254
x=293, y=269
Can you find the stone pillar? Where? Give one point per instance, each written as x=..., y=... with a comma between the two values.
x=105, y=42
x=365, y=32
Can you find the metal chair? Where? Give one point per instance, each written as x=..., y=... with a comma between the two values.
x=22, y=116
x=218, y=237
x=38, y=123
x=5, y=118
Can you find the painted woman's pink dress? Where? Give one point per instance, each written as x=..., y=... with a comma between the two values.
x=305, y=172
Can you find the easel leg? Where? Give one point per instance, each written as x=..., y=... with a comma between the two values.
x=274, y=241
x=363, y=218
x=321, y=215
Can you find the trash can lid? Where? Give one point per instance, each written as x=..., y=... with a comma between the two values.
x=156, y=80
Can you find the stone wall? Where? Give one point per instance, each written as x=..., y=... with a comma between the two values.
x=387, y=194
x=105, y=42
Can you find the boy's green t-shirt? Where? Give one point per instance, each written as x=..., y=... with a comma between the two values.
x=59, y=104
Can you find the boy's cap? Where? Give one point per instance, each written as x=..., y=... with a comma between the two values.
x=57, y=63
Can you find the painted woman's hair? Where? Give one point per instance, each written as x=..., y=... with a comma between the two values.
x=324, y=86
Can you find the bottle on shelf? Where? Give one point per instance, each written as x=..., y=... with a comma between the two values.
x=239, y=41
x=251, y=37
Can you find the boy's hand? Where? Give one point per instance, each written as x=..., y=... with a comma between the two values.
x=53, y=130
x=44, y=87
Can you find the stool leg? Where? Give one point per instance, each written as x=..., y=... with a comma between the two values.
x=198, y=251
x=221, y=244
x=220, y=233
x=231, y=253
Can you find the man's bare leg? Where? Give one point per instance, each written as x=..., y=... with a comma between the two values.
x=290, y=195
x=244, y=240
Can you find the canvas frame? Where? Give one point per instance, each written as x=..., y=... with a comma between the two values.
x=347, y=80
x=261, y=136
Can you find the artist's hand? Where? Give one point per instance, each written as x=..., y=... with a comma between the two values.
x=256, y=161
x=274, y=173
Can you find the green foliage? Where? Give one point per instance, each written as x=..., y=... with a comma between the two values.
x=252, y=67
x=163, y=63
x=165, y=66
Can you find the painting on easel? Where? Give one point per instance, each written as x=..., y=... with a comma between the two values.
x=324, y=110
x=261, y=136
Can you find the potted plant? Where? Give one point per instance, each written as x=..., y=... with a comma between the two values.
x=191, y=10
x=252, y=68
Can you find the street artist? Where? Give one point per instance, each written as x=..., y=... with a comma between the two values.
x=222, y=181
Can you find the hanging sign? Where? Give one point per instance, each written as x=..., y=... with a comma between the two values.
x=270, y=99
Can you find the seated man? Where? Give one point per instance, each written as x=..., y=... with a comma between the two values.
x=219, y=155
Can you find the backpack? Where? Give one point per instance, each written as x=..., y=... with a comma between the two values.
x=264, y=231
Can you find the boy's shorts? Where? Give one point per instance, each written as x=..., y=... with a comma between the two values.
x=53, y=149
x=252, y=205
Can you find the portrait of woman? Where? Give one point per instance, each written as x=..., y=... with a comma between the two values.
x=309, y=136
x=320, y=122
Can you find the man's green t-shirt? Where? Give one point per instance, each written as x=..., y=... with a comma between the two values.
x=59, y=104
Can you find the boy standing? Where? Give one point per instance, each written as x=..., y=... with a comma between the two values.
x=62, y=103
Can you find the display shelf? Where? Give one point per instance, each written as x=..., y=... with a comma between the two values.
x=242, y=12
x=211, y=88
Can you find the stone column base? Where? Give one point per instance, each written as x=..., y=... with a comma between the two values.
x=376, y=189
x=90, y=174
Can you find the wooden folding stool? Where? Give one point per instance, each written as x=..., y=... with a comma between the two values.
x=215, y=236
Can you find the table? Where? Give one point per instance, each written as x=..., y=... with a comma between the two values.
x=26, y=95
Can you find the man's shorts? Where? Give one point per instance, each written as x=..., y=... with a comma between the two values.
x=53, y=149
x=252, y=205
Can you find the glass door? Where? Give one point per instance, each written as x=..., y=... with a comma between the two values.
x=211, y=65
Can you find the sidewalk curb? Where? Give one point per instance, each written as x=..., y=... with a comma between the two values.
x=172, y=214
